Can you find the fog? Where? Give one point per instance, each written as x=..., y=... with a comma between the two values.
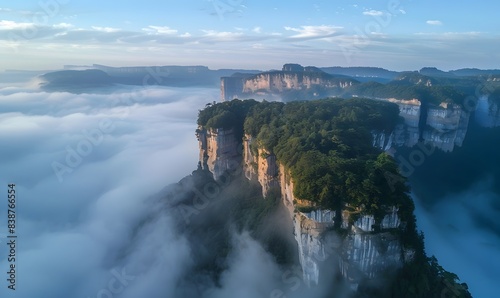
x=75, y=215
x=463, y=232
x=87, y=168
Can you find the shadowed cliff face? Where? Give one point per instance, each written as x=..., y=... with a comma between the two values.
x=240, y=244
x=357, y=255
x=347, y=224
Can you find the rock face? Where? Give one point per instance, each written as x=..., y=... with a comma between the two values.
x=219, y=150
x=363, y=247
x=281, y=81
x=359, y=254
x=443, y=126
x=262, y=166
x=272, y=83
x=446, y=126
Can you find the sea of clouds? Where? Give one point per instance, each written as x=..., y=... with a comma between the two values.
x=83, y=165
x=87, y=168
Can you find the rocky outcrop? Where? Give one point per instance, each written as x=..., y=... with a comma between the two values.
x=446, y=126
x=219, y=150
x=277, y=82
x=359, y=254
x=404, y=134
x=443, y=126
x=363, y=246
x=263, y=166
x=273, y=83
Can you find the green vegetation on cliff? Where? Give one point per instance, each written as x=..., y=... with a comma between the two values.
x=406, y=89
x=327, y=147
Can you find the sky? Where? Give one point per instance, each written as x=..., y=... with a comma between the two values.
x=257, y=34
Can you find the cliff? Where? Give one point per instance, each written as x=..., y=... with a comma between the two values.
x=292, y=77
x=360, y=253
x=219, y=150
x=344, y=206
x=75, y=80
x=443, y=126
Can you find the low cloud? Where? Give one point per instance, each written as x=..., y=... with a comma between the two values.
x=373, y=13
x=75, y=231
x=312, y=32
x=434, y=23
x=462, y=231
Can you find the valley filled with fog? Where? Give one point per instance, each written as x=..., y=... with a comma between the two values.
x=86, y=166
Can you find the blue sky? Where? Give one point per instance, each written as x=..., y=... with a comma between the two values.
x=395, y=34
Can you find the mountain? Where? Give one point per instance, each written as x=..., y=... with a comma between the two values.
x=293, y=82
x=75, y=80
x=363, y=73
x=171, y=75
x=81, y=78
x=345, y=215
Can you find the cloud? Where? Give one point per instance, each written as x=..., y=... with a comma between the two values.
x=95, y=209
x=102, y=230
x=373, y=13
x=222, y=36
x=105, y=29
x=313, y=32
x=11, y=25
x=66, y=26
x=213, y=36
x=434, y=23
x=465, y=224
x=20, y=33
x=160, y=30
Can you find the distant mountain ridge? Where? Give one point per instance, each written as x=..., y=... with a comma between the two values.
x=318, y=81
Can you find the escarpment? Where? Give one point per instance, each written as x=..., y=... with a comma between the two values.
x=349, y=208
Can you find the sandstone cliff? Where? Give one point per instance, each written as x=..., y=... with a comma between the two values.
x=358, y=253
x=219, y=150
x=273, y=83
x=443, y=126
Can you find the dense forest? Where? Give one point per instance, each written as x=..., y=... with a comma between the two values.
x=326, y=145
